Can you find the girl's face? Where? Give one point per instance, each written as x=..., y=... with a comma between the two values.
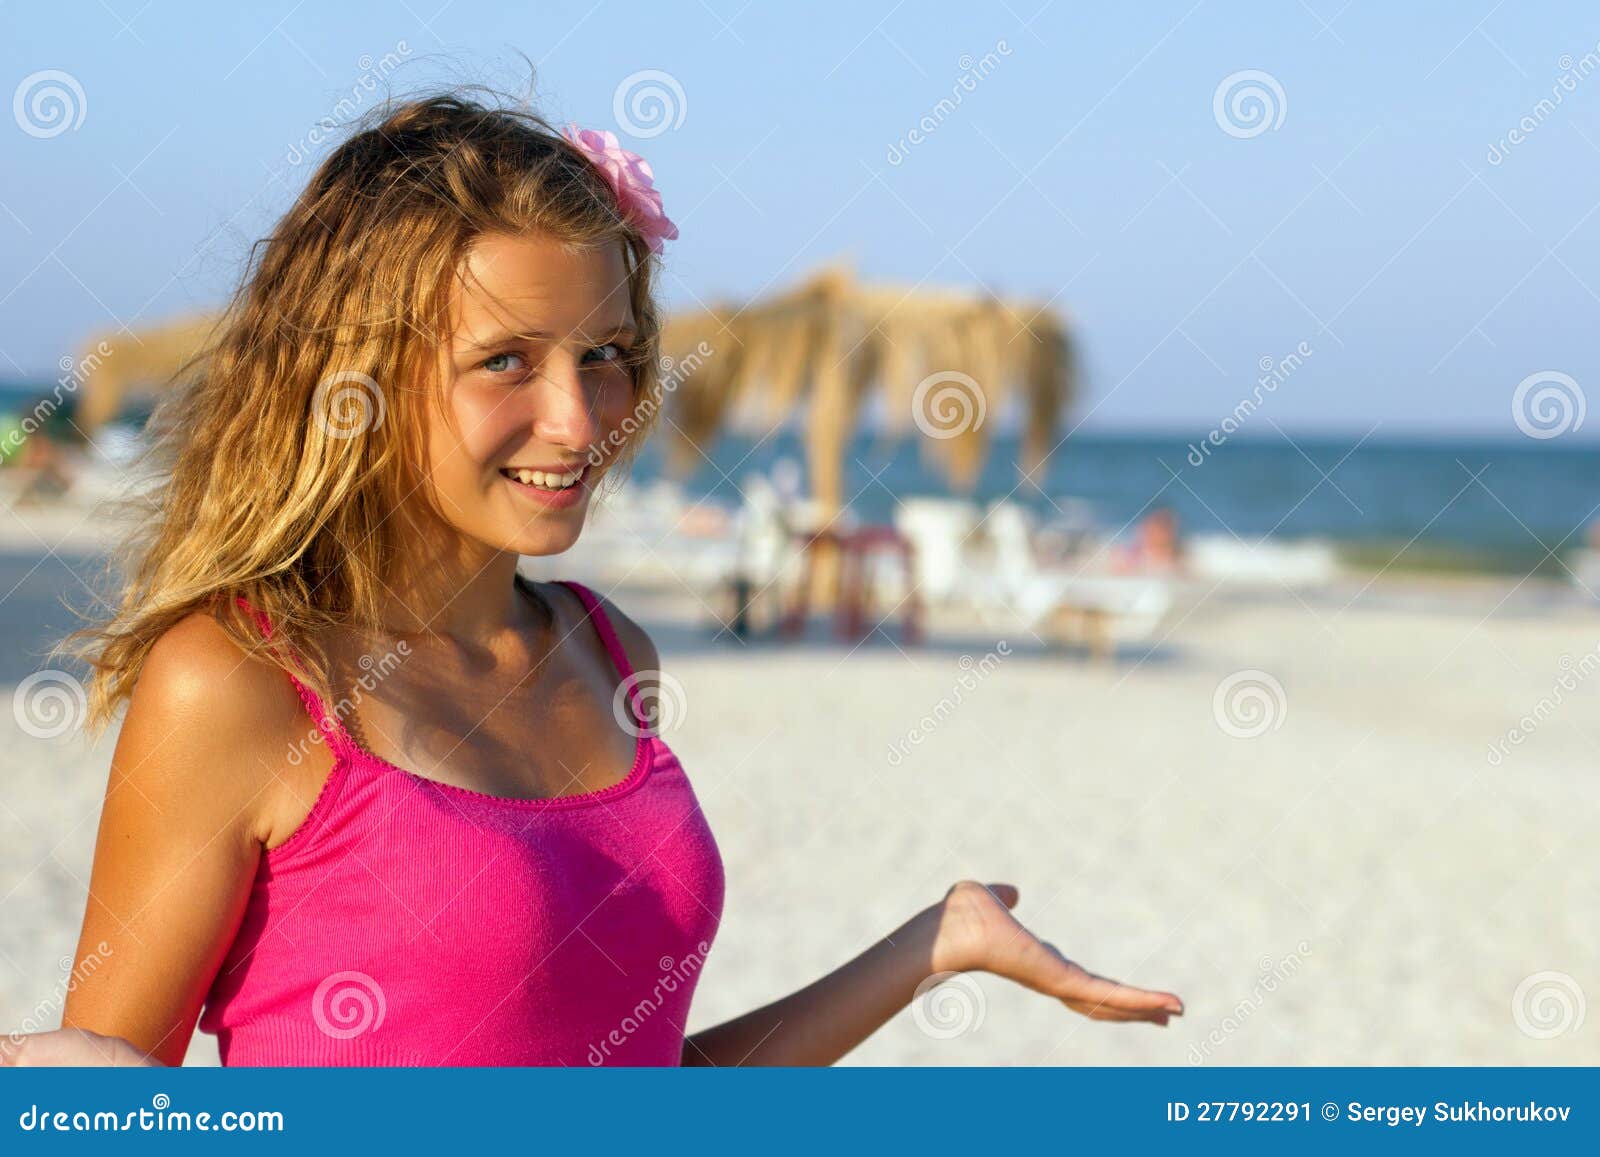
x=534, y=390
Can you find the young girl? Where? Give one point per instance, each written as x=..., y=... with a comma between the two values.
x=377, y=800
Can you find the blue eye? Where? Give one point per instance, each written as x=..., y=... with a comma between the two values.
x=500, y=363
x=617, y=355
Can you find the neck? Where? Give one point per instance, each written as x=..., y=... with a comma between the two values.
x=459, y=588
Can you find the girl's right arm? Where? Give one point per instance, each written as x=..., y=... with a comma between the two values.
x=200, y=783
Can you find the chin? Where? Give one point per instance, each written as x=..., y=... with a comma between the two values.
x=520, y=524
x=546, y=535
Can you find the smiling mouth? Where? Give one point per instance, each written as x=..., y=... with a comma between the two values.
x=553, y=481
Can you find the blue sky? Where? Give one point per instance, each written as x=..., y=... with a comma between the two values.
x=1088, y=165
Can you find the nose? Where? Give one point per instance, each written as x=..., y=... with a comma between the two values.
x=564, y=411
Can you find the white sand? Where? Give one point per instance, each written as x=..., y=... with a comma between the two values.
x=1396, y=887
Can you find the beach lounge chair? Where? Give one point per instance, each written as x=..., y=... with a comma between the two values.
x=938, y=529
x=989, y=564
x=1105, y=609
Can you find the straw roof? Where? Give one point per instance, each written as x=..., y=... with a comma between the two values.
x=139, y=365
x=944, y=361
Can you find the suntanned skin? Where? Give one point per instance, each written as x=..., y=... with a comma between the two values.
x=192, y=798
x=201, y=783
x=500, y=692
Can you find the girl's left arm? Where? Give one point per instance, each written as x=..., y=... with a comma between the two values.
x=970, y=930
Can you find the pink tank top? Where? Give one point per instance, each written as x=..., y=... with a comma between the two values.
x=410, y=922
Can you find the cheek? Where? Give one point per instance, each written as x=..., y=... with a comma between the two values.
x=617, y=403
x=484, y=421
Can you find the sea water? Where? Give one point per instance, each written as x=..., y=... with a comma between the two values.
x=1483, y=503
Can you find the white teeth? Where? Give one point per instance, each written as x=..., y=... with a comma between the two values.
x=544, y=480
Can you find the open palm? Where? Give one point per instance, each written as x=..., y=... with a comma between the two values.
x=979, y=932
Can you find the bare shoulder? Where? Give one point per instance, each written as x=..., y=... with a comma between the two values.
x=196, y=657
x=199, y=784
x=212, y=725
x=195, y=673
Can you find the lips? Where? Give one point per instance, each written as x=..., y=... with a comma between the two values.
x=557, y=489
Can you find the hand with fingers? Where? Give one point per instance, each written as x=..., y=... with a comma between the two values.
x=970, y=930
x=978, y=933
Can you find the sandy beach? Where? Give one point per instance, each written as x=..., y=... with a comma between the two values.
x=1201, y=389
x=1349, y=871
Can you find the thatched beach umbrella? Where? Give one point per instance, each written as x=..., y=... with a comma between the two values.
x=943, y=360
x=128, y=366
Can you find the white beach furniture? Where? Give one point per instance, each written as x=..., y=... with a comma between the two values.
x=1583, y=569
x=987, y=562
x=1262, y=562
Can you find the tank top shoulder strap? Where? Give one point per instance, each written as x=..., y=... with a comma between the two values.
x=596, y=613
x=339, y=741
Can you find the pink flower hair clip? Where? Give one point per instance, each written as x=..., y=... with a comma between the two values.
x=631, y=178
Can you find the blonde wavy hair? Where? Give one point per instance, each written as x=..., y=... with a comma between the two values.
x=262, y=486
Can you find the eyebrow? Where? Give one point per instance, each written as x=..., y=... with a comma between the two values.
x=501, y=337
